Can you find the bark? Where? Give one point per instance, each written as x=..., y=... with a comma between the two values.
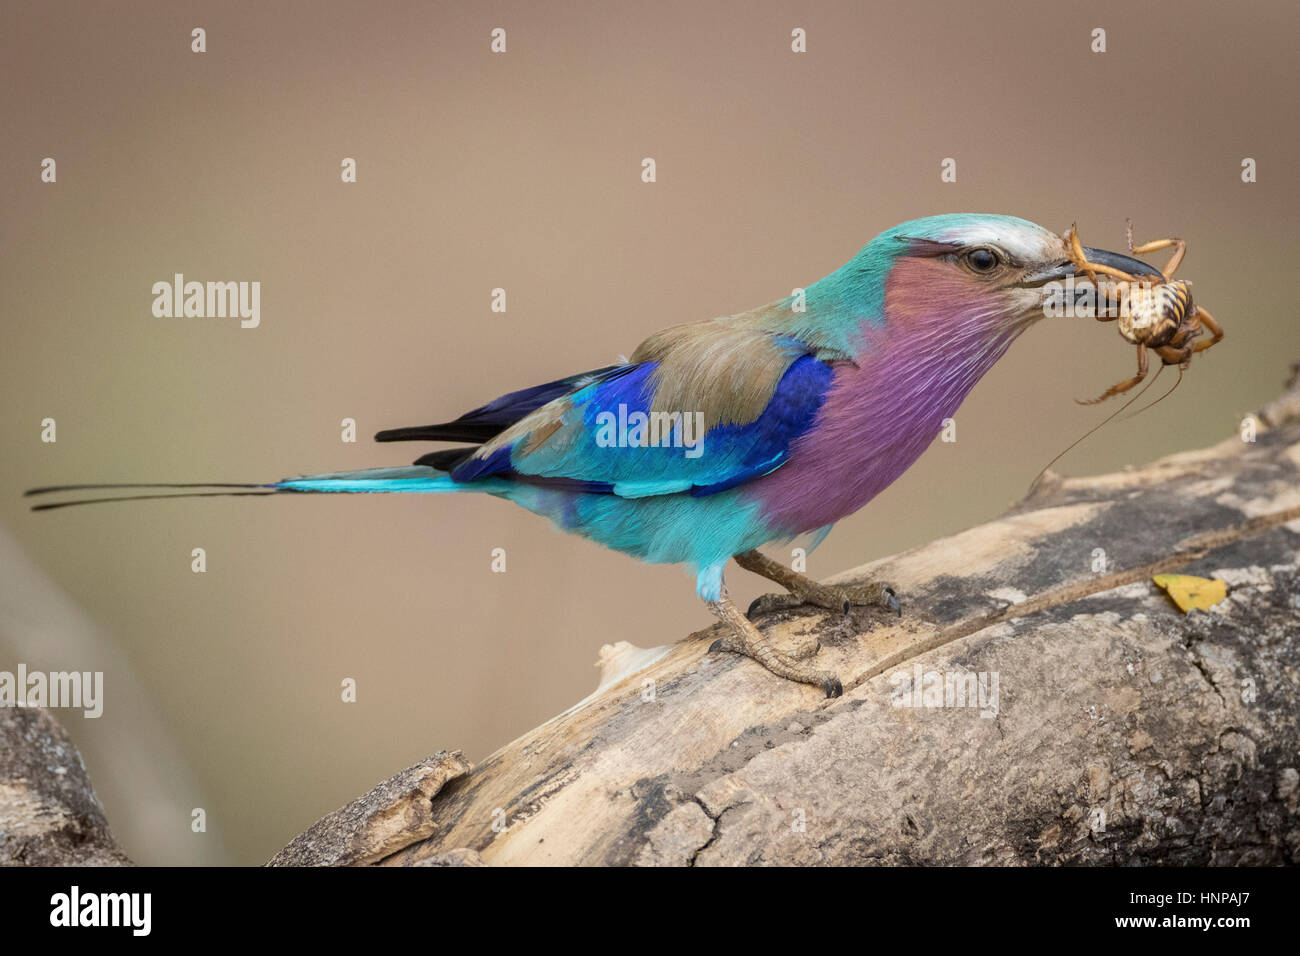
x=1112, y=727
x=49, y=814
x=1123, y=730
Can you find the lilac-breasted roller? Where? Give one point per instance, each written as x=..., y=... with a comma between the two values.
x=720, y=436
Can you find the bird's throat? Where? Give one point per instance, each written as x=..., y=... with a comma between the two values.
x=881, y=414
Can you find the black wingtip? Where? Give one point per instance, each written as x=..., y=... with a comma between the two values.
x=412, y=433
x=446, y=459
x=462, y=431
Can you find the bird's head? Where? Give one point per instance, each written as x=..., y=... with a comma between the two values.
x=991, y=274
x=961, y=284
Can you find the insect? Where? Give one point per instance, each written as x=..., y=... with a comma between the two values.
x=1156, y=314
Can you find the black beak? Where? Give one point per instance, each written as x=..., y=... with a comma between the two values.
x=1101, y=257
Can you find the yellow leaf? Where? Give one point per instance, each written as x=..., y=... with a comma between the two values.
x=1191, y=592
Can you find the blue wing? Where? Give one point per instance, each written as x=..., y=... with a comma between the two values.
x=607, y=436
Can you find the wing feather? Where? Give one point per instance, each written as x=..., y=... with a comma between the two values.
x=665, y=425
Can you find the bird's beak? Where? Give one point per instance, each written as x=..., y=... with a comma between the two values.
x=1100, y=257
x=1080, y=298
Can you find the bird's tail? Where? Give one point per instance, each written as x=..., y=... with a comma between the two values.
x=411, y=479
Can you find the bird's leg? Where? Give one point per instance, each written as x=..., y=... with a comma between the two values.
x=746, y=639
x=804, y=590
x=1125, y=385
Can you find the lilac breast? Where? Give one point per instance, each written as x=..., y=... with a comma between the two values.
x=879, y=416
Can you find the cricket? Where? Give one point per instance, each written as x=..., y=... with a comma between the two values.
x=1156, y=314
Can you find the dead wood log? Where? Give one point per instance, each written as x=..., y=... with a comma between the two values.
x=1039, y=701
x=49, y=813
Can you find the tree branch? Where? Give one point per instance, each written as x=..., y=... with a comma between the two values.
x=1113, y=728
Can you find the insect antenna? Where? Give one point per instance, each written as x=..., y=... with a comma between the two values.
x=1173, y=388
x=1088, y=434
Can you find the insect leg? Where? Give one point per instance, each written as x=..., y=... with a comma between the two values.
x=1090, y=268
x=1172, y=355
x=1122, y=387
x=1155, y=245
x=1208, y=321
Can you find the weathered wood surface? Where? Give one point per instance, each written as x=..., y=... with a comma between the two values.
x=1124, y=731
x=49, y=814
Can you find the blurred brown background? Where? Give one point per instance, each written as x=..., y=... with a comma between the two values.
x=523, y=171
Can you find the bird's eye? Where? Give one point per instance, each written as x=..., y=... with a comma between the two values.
x=982, y=260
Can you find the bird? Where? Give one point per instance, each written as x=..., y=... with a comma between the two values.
x=720, y=436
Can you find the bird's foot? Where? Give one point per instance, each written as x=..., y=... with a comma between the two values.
x=744, y=638
x=832, y=597
x=807, y=648
x=782, y=665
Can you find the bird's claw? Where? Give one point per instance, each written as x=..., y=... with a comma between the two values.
x=831, y=598
x=783, y=665
x=766, y=603
x=805, y=650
